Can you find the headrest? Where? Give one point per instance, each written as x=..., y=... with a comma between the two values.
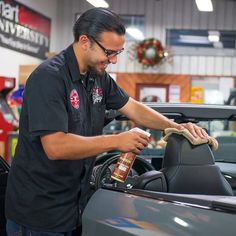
x=179, y=151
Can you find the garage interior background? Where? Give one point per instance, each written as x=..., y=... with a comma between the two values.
x=198, y=75
x=160, y=15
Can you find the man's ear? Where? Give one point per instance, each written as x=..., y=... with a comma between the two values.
x=84, y=42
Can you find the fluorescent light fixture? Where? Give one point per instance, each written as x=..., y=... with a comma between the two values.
x=98, y=3
x=204, y=5
x=214, y=36
x=135, y=33
x=193, y=39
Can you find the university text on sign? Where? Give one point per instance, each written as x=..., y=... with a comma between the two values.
x=23, y=29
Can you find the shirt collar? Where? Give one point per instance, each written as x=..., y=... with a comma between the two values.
x=73, y=64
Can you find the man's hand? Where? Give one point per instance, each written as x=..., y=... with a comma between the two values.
x=195, y=130
x=132, y=141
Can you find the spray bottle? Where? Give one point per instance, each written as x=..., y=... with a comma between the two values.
x=125, y=162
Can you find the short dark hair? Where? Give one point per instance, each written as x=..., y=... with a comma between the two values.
x=96, y=21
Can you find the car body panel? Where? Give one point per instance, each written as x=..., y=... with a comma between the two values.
x=121, y=213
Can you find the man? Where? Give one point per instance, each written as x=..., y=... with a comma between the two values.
x=61, y=125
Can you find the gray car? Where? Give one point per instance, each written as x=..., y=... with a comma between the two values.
x=180, y=189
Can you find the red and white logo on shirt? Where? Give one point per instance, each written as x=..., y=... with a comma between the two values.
x=97, y=94
x=74, y=99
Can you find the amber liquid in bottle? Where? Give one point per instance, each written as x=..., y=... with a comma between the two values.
x=125, y=162
x=123, y=166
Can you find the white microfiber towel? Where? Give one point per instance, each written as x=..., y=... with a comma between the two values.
x=195, y=141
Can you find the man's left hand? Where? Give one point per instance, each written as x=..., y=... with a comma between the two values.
x=195, y=130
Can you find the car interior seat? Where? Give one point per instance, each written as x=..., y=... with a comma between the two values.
x=4, y=170
x=152, y=180
x=190, y=169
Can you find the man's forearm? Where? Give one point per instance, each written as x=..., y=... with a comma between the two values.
x=154, y=120
x=146, y=116
x=61, y=146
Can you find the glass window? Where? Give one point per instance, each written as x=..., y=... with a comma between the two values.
x=202, y=42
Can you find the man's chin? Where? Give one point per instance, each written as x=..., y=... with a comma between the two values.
x=97, y=71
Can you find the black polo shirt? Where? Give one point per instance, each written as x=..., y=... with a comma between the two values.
x=49, y=195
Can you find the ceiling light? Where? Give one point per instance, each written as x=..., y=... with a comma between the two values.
x=204, y=5
x=99, y=3
x=214, y=36
x=135, y=33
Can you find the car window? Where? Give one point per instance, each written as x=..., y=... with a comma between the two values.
x=225, y=133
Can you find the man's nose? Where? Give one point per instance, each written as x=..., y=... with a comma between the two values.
x=113, y=60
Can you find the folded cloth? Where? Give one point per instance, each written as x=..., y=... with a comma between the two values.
x=195, y=141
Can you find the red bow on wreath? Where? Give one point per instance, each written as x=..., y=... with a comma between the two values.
x=150, y=52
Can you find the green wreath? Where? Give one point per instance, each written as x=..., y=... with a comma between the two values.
x=150, y=52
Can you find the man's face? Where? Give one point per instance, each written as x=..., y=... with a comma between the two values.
x=104, y=51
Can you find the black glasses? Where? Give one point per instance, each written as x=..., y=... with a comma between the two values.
x=109, y=53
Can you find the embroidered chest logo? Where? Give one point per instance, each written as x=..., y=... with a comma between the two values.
x=74, y=99
x=97, y=94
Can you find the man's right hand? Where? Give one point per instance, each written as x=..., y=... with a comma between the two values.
x=132, y=141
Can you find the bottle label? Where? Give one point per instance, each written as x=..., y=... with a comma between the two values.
x=125, y=162
x=123, y=166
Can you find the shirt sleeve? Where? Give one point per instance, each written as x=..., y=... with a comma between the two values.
x=45, y=102
x=116, y=97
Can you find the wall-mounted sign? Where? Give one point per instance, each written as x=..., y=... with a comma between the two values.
x=24, y=30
